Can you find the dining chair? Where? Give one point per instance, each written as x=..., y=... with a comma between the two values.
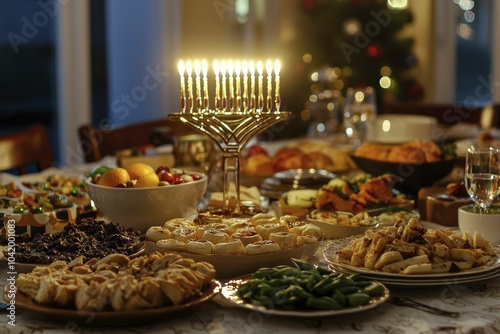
x=96, y=143
x=448, y=114
x=19, y=150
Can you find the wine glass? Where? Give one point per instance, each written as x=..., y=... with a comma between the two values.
x=359, y=109
x=482, y=176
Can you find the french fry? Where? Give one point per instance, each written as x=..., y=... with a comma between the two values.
x=414, y=269
x=412, y=249
x=399, y=266
x=388, y=258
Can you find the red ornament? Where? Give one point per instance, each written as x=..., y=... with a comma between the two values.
x=373, y=51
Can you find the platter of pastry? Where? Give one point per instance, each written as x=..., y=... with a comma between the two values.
x=237, y=246
x=116, y=290
x=409, y=252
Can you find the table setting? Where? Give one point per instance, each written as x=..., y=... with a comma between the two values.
x=338, y=240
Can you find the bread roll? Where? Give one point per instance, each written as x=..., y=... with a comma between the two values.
x=306, y=240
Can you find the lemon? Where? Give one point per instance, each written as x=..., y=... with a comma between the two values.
x=114, y=177
x=138, y=170
x=148, y=180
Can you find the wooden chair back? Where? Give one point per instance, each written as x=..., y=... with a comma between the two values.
x=20, y=149
x=448, y=114
x=96, y=143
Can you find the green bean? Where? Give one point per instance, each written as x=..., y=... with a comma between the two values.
x=374, y=289
x=305, y=285
x=358, y=298
x=347, y=289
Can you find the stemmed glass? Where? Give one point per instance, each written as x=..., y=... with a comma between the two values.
x=482, y=176
x=359, y=109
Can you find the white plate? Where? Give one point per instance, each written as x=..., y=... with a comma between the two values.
x=415, y=281
x=230, y=266
x=330, y=255
x=230, y=288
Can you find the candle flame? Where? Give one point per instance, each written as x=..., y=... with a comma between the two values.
x=244, y=67
x=269, y=67
x=260, y=67
x=223, y=68
x=180, y=66
x=216, y=67
x=252, y=67
x=189, y=68
x=230, y=68
x=237, y=68
x=197, y=68
x=277, y=67
x=204, y=68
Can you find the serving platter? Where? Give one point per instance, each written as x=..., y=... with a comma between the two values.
x=229, y=266
x=115, y=318
x=488, y=270
x=229, y=293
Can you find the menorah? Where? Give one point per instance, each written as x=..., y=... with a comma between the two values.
x=239, y=111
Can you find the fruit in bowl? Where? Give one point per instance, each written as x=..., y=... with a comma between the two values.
x=469, y=220
x=146, y=200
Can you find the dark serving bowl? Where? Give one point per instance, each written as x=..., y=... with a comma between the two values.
x=410, y=177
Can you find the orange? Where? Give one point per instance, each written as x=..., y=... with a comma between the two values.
x=114, y=177
x=148, y=180
x=138, y=170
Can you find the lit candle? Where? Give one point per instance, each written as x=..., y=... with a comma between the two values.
x=269, y=70
x=217, y=86
x=224, y=92
x=277, y=68
x=204, y=70
x=180, y=66
x=189, y=70
x=253, y=104
x=231, y=87
x=244, y=68
x=260, y=69
x=237, y=71
x=197, y=70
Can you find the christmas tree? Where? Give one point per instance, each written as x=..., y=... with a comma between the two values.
x=359, y=40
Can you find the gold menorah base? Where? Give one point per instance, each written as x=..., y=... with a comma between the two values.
x=231, y=132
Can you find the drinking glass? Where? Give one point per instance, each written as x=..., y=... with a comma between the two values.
x=482, y=176
x=359, y=109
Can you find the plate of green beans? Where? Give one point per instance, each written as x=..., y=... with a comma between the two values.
x=303, y=290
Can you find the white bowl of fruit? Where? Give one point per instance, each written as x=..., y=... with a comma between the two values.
x=139, y=196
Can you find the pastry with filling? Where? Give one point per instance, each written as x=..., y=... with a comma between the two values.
x=183, y=233
x=266, y=229
x=199, y=246
x=262, y=247
x=284, y=239
x=174, y=223
x=171, y=245
x=230, y=247
x=247, y=236
x=215, y=236
x=155, y=233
